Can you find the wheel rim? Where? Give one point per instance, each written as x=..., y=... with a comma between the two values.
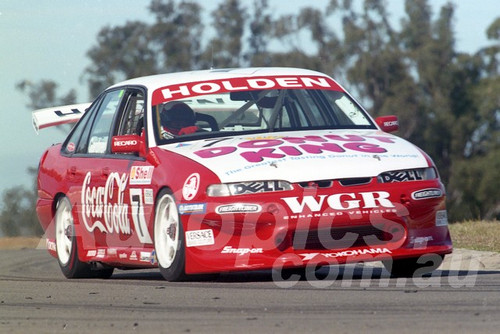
x=166, y=231
x=64, y=231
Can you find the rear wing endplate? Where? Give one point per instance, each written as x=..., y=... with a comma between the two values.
x=48, y=117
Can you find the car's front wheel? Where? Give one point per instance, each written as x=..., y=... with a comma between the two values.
x=168, y=238
x=415, y=266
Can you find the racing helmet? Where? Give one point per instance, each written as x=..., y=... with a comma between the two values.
x=177, y=115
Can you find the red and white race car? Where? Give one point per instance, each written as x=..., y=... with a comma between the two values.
x=235, y=170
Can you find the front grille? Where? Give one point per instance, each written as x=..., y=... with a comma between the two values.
x=347, y=237
x=316, y=184
x=328, y=183
x=355, y=181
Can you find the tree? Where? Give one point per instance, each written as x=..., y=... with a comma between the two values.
x=44, y=94
x=447, y=101
x=18, y=214
x=225, y=48
x=122, y=52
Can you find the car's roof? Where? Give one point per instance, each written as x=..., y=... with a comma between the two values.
x=161, y=80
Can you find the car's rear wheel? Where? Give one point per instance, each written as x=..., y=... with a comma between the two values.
x=168, y=238
x=67, y=248
x=414, y=267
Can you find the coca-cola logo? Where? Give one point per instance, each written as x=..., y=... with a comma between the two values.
x=103, y=208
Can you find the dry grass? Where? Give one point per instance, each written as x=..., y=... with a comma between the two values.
x=477, y=235
x=19, y=242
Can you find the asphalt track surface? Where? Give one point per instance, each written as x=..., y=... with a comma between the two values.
x=36, y=298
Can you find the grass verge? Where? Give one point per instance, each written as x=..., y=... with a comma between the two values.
x=19, y=242
x=477, y=235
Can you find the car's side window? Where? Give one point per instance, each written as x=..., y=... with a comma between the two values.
x=132, y=120
x=73, y=142
x=98, y=137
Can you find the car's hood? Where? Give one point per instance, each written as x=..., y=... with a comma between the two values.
x=302, y=156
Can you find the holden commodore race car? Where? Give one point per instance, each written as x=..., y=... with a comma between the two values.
x=235, y=170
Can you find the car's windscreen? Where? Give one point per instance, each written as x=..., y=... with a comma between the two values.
x=257, y=111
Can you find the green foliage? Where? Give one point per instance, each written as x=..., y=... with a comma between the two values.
x=44, y=94
x=447, y=101
x=18, y=214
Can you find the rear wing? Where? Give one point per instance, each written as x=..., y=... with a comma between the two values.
x=44, y=118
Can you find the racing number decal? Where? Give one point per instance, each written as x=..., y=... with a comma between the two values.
x=137, y=211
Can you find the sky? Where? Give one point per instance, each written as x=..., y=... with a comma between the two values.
x=42, y=39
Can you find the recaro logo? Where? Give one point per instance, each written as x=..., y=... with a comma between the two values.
x=342, y=201
x=125, y=142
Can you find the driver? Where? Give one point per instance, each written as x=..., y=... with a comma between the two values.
x=177, y=119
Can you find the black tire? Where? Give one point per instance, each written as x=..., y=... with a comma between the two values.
x=414, y=267
x=67, y=248
x=169, y=238
x=102, y=273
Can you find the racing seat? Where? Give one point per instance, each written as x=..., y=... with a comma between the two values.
x=210, y=120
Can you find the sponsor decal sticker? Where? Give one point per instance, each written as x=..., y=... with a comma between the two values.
x=192, y=208
x=191, y=185
x=146, y=257
x=122, y=255
x=92, y=253
x=340, y=213
x=112, y=252
x=103, y=208
x=420, y=240
x=427, y=193
x=238, y=84
x=141, y=174
x=200, y=238
x=238, y=208
x=342, y=201
x=353, y=252
x=154, y=260
x=51, y=245
x=70, y=147
x=259, y=150
x=402, y=176
x=148, y=196
x=257, y=187
x=441, y=218
x=241, y=251
x=133, y=256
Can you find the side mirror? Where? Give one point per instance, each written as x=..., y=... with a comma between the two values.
x=128, y=144
x=388, y=123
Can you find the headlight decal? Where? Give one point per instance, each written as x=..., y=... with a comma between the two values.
x=417, y=174
x=242, y=188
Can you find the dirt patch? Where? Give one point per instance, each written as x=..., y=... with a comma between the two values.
x=20, y=242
